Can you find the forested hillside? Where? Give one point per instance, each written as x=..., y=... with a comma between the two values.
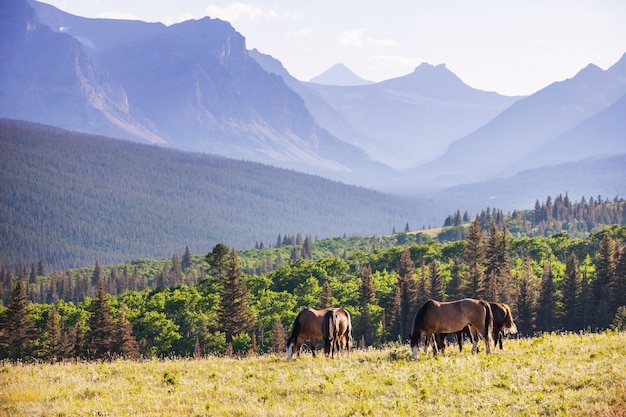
x=179, y=306
x=70, y=199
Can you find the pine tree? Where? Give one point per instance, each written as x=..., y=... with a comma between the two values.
x=235, y=315
x=187, y=261
x=546, y=306
x=605, y=268
x=570, y=294
x=100, y=343
x=393, y=321
x=53, y=337
x=17, y=329
x=97, y=275
x=474, y=255
x=408, y=295
x=456, y=284
x=326, y=296
x=525, y=305
x=437, y=289
x=217, y=260
x=278, y=336
x=125, y=343
x=367, y=297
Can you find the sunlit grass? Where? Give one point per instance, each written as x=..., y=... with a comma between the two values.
x=549, y=375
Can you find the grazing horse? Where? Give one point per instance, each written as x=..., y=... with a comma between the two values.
x=502, y=324
x=337, y=331
x=308, y=325
x=451, y=317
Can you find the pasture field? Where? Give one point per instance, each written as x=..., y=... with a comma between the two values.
x=548, y=375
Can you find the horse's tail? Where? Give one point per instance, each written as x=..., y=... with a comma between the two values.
x=488, y=324
x=509, y=324
x=328, y=330
x=349, y=330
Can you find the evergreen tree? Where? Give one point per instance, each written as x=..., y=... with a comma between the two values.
x=437, y=289
x=546, y=305
x=218, y=260
x=393, y=321
x=367, y=297
x=97, y=275
x=570, y=294
x=187, y=260
x=234, y=314
x=620, y=279
x=100, y=342
x=408, y=296
x=125, y=343
x=456, y=284
x=525, y=305
x=17, y=329
x=51, y=350
x=326, y=296
x=278, y=336
x=605, y=268
x=474, y=255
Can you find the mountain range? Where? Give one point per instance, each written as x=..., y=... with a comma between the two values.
x=195, y=86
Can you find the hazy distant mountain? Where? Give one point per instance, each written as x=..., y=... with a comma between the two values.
x=501, y=146
x=410, y=120
x=341, y=75
x=191, y=86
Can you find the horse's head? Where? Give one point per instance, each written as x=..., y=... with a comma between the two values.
x=290, y=346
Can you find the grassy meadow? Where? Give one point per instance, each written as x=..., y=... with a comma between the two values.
x=549, y=375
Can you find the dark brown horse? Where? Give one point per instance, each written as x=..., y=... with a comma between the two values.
x=337, y=331
x=451, y=317
x=307, y=325
x=502, y=324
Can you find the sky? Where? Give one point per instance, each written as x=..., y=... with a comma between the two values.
x=513, y=47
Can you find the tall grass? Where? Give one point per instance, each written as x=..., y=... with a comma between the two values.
x=549, y=375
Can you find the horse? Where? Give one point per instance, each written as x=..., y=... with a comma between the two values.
x=502, y=324
x=336, y=331
x=307, y=325
x=451, y=317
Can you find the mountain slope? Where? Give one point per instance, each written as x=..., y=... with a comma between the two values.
x=71, y=199
x=527, y=125
x=406, y=121
x=190, y=86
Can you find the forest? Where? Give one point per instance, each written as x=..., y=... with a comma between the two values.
x=227, y=302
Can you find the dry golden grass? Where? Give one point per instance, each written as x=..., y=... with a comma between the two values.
x=550, y=375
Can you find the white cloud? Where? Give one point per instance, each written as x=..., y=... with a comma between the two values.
x=357, y=38
x=115, y=15
x=301, y=32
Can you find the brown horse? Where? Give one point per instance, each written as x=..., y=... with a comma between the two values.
x=451, y=317
x=337, y=331
x=307, y=325
x=502, y=324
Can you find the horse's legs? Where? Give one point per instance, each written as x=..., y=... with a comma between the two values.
x=434, y=343
x=474, y=337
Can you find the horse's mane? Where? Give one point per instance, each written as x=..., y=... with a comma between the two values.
x=509, y=324
x=421, y=314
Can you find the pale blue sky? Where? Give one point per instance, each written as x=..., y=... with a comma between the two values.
x=508, y=46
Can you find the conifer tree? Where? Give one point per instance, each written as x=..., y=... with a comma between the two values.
x=393, y=322
x=278, y=336
x=605, y=268
x=326, y=296
x=235, y=315
x=125, y=343
x=217, y=260
x=17, y=329
x=100, y=343
x=367, y=297
x=474, y=255
x=456, y=284
x=186, y=262
x=97, y=275
x=437, y=289
x=546, y=305
x=51, y=350
x=526, y=296
x=408, y=295
x=570, y=294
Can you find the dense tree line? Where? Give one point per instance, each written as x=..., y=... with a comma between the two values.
x=552, y=283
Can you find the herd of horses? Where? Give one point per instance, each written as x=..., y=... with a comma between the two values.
x=434, y=321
